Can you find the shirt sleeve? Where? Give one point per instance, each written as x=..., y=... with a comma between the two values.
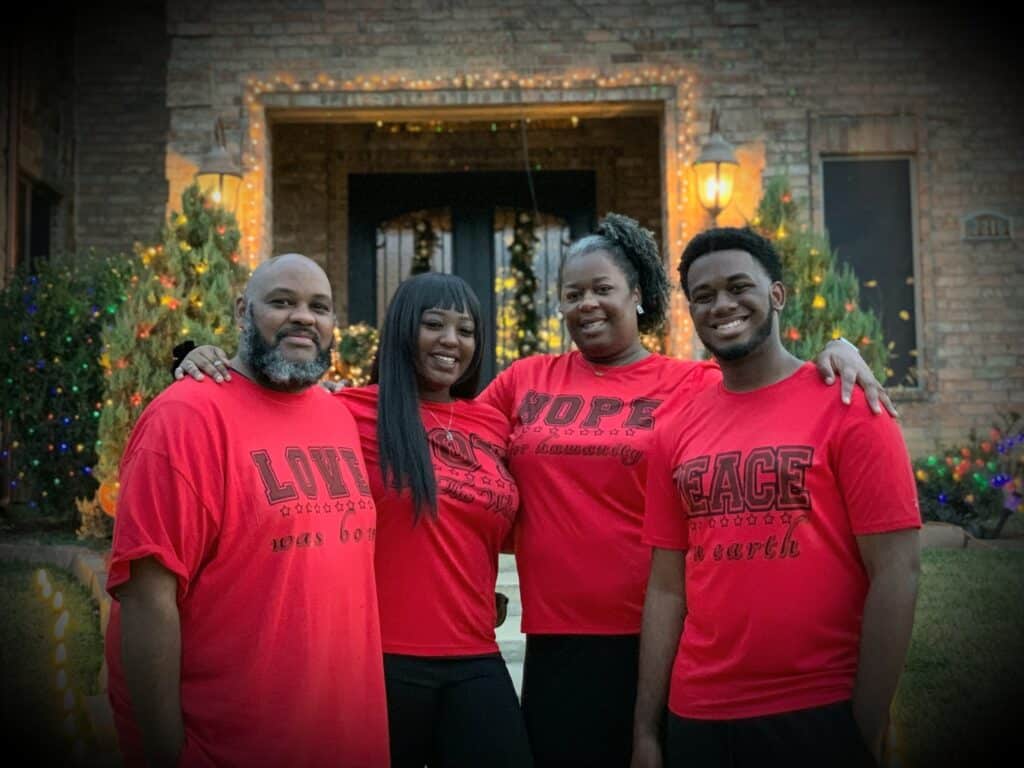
x=874, y=473
x=501, y=392
x=159, y=512
x=666, y=523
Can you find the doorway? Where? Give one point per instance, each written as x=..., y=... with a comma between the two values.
x=461, y=223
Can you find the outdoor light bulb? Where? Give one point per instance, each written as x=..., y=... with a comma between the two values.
x=711, y=188
x=47, y=590
x=61, y=655
x=41, y=579
x=216, y=196
x=62, y=680
x=61, y=626
x=58, y=601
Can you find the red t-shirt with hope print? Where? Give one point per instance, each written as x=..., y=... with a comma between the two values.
x=435, y=577
x=578, y=451
x=258, y=502
x=767, y=491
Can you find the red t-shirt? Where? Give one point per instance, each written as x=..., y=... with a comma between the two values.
x=259, y=503
x=578, y=450
x=435, y=578
x=767, y=490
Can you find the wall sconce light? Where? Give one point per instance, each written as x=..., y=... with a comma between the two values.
x=219, y=176
x=716, y=171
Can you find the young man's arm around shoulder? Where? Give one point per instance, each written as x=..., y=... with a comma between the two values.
x=151, y=655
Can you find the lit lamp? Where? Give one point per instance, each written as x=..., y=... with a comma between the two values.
x=716, y=171
x=219, y=177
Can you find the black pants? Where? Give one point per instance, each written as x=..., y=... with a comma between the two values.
x=579, y=692
x=452, y=712
x=820, y=736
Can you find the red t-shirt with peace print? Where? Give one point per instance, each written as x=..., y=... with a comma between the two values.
x=767, y=491
x=579, y=442
x=258, y=502
x=436, y=577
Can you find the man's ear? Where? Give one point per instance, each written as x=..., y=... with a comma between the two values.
x=778, y=296
x=240, y=304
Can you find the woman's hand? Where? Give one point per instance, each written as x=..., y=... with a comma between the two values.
x=208, y=359
x=842, y=357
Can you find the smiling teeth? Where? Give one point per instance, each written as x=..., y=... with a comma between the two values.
x=730, y=325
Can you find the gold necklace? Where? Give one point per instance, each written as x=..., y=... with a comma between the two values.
x=447, y=430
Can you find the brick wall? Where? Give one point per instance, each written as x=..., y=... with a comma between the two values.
x=775, y=69
x=121, y=123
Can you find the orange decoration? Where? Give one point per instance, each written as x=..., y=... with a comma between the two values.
x=107, y=496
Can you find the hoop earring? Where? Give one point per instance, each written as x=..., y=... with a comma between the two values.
x=639, y=309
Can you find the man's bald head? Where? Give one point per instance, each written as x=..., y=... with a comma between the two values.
x=272, y=267
x=286, y=318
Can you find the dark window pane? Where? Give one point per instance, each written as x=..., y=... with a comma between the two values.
x=868, y=218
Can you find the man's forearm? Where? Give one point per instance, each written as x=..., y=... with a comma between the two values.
x=664, y=612
x=151, y=655
x=885, y=636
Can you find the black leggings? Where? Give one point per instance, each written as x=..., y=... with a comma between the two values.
x=805, y=738
x=452, y=712
x=578, y=697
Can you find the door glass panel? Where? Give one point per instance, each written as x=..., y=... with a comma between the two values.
x=420, y=241
x=514, y=230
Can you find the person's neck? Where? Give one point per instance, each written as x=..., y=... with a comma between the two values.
x=436, y=396
x=769, y=364
x=631, y=354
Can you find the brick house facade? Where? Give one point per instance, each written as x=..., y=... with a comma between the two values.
x=110, y=130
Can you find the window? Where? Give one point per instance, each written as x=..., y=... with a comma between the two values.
x=868, y=214
x=37, y=206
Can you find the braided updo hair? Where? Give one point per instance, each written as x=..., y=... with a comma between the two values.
x=635, y=251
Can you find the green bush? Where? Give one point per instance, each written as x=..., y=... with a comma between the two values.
x=50, y=382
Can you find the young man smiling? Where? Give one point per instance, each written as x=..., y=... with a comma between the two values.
x=784, y=528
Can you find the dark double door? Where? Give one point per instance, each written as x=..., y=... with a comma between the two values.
x=471, y=202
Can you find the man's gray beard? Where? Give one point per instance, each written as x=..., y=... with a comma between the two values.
x=738, y=352
x=270, y=367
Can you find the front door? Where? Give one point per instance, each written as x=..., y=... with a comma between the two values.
x=463, y=223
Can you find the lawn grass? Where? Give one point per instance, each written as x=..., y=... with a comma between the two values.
x=31, y=707
x=958, y=697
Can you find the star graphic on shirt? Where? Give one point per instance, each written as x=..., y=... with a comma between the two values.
x=364, y=504
x=598, y=431
x=316, y=508
x=350, y=507
x=725, y=522
x=286, y=510
x=613, y=432
x=738, y=520
x=538, y=429
x=554, y=431
x=711, y=523
x=584, y=431
x=338, y=507
x=485, y=480
x=751, y=519
x=571, y=431
x=309, y=508
x=768, y=519
x=786, y=518
x=630, y=432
